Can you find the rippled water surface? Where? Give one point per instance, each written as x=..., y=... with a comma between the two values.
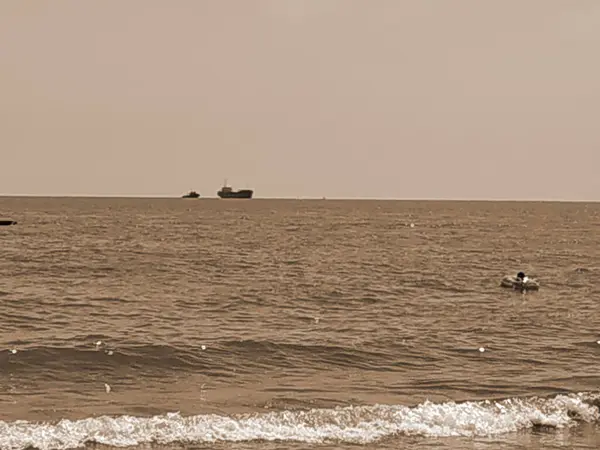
x=249, y=324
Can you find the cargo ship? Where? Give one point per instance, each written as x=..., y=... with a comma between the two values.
x=228, y=192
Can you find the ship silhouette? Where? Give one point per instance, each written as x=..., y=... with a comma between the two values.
x=191, y=194
x=228, y=192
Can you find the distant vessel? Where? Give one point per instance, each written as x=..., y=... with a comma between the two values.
x=228, y=192
x=191, y=194
x=7, y=222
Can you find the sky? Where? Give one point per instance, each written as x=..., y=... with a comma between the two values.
x=427, y=99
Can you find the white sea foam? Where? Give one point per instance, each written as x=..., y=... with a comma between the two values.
x=359, y=424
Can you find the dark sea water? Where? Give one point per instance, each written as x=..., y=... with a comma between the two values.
x=280, y=324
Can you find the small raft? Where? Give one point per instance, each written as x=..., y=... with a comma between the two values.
x=7, y=222
x=528, y=284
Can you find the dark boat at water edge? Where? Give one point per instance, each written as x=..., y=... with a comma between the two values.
x=228, y=192
x=7, y=222
x=191, y=194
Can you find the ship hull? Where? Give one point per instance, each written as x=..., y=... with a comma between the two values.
x=244, y=193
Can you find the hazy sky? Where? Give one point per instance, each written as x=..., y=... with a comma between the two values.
x=312, y=98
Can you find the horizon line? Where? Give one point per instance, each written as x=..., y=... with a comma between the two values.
x=324, y=198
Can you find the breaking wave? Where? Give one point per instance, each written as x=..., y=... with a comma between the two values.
x=354, y=424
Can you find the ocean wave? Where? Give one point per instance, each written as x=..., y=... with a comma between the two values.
x=354, y=424
x=214, y=357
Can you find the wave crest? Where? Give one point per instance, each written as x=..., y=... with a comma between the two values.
x=354, y=424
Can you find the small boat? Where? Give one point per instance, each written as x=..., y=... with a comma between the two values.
x=191, y=194
x=7, y=222
x=520, y=284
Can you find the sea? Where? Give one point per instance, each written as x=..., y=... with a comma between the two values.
x=159, y=323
